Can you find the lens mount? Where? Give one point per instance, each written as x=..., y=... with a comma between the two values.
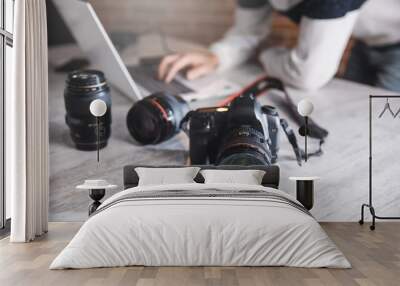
x=86, y=81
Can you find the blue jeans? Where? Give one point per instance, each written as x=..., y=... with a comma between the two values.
x=377, y=66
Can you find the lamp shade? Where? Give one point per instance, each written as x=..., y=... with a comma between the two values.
x=305, y=107
x=98, y=107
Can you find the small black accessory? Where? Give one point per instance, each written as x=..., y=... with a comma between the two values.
x=369, y=205
x=156, y=118
x=303, y=130
x=82, y=88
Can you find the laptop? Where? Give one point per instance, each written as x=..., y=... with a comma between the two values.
x=133, y=81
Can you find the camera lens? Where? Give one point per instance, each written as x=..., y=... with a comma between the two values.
x=244, y=146
x=156, y=118
x=82, y=87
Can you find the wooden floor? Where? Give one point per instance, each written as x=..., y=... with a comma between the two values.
x=375, y=257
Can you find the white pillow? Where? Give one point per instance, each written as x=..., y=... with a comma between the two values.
x=247, y=177
x=164, y=176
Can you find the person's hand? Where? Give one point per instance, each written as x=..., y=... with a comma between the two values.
x=196, y=64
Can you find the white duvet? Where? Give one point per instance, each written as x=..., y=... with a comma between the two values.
x=200, y=231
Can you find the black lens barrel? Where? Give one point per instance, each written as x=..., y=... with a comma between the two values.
x=244, y=146
x=156, y=118
x=82, y=87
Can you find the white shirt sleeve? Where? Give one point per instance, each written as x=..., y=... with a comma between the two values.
x=316, y=58
x=251, y=26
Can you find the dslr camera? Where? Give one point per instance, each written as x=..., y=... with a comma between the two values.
x=234, y=135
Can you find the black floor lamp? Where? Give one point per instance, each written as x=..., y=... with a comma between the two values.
x=370, y=203
x=305, y=108
x=98, y=108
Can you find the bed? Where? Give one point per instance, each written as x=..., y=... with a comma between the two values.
x=201, y=224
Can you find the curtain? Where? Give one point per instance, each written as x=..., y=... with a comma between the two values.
x=27, y=124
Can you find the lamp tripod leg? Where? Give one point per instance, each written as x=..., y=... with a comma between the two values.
x=361, y=221
x=372, y=210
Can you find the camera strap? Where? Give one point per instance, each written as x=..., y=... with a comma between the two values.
x=265, y=83
x=184, y=124
x=291, y=136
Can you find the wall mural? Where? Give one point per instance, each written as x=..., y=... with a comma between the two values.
x=239, y=117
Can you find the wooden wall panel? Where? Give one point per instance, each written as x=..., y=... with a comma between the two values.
x=202, y=21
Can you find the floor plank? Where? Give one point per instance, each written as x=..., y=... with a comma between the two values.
x=375, y=257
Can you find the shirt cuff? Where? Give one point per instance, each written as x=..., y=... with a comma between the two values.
x=228, y=56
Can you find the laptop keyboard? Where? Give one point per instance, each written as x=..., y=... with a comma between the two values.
x=145, y=75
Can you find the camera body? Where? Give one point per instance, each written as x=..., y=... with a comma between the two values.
x=206, y=126
x=242, y=134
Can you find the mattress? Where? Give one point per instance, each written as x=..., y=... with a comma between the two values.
x=201, y=225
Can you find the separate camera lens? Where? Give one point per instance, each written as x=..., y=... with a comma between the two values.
x=147, y=124
x=244, y=146
x=156, y=118
x=82, y=87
